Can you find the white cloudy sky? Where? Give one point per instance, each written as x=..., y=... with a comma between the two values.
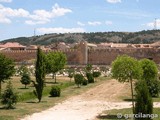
x=20, y=17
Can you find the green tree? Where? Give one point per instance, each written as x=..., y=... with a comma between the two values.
x=88, y=68
x=23, y=70
x=150, y=75
x=150, y=69
x=40, y=74
x=126, y=69
x=71, y=73
x=55, y=61
x=6, y=69
x=25, y=79
x=9, y=97
x=144, y=103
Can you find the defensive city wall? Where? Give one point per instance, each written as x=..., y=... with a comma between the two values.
x=84, y=54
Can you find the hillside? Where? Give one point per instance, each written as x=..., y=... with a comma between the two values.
x=149, y=36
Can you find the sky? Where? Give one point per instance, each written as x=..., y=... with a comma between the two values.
x=24, y=18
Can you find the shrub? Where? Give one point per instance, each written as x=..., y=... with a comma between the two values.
x=55, y=91
x=78, y=78
x=96, y=74
x=85, y=82
x=9, y=98
x=90, y=77
x=25, y=79
x=144, y=104
x=154, y=87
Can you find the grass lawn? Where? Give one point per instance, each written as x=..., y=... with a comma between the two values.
x=30, y=106
x=112, y=114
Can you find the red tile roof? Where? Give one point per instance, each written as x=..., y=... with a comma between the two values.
x=12, y=45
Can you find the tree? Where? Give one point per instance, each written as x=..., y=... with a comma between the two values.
x=25, y=79
x=9, y=98
x=88, y=68
x=23, y=70
x=144, y=103
x=150, y=75
x=126, y=69
x=71, y=73
x=40, y=74
x=55, y=61
x=6, y=68
x=78, y=79
x=150, y=69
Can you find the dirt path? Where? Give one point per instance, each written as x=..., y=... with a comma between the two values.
x=87, y=105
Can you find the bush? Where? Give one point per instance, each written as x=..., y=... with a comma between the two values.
x=78, y=78
x=90, y=77
x=9, y=98
x=85, y=82
x=55, y=91
x=96, y=74
x=144, y=104
x=25, y=79
x=154, y=87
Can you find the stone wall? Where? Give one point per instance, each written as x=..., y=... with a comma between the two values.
x=82, y=55
x=106, y=56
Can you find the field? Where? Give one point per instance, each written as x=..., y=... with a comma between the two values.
x=30, y=105
x=90, y=100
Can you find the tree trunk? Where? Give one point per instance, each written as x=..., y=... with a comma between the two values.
x=132, y=95
x=55, y=78
x=52, y=75
x=0, y=86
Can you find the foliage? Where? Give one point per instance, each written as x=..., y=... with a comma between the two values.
x=96, y=74
x=88, y=68
x=90, y=77
x=125, y=69
x=150, y=75
x=85, y=82
x=40, y=74
x=55, y=91
x=9, y=98
x=154, y=87
x=23, y=70
x=71, y=73
x=78, y=78
x=144, y=104
x=25, y=79
x=6, y=68
x=55, y=61
x=150, y=69
x=145, y=36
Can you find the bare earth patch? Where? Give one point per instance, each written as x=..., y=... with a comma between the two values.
x=89, y=104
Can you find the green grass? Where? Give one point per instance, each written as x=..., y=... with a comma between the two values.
x=112, y=114
x=28, y=104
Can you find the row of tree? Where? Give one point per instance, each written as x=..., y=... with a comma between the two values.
x=50, y=63
x=144, y=74
x=88, y=77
